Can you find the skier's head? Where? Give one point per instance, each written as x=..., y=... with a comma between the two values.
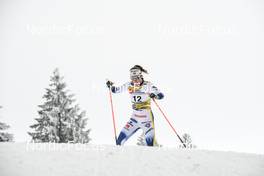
x=136, y=73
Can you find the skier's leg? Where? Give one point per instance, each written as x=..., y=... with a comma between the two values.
x=129, y=129
x=149, y=130
x=149, y=136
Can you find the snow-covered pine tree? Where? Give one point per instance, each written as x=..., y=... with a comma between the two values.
x=187, y=140
x=4, y=136
x=60, y=120
x=141, y=141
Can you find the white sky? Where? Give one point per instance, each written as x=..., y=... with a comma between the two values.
x=206, y=56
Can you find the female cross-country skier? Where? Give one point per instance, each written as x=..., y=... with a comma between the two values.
x=141, y=93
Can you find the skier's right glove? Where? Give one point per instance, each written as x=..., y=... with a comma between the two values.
x=109, y=84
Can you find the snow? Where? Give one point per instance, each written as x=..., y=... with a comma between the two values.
x=25, y=159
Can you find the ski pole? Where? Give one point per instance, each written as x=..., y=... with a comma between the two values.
x=113, y=114
x=168, y=122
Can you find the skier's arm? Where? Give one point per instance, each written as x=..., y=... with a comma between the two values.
x=156, y=93
x=117, y=89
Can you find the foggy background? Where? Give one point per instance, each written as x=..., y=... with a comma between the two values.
x=206, y=57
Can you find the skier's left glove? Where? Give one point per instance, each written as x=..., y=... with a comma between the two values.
x=152, y=95
x=158, y=96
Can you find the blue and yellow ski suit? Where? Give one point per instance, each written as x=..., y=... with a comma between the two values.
x=142, y=116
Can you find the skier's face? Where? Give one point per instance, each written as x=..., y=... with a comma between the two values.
x=135, y=75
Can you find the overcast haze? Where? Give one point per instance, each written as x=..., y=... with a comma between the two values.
x=206, y=56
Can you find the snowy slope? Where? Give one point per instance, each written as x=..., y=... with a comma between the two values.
x=21, y=159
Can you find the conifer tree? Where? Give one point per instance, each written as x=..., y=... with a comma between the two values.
x=188, y=141
x=141, y=141
x=4, y=136
x=60, y=119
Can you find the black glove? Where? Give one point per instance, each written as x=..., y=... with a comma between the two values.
x=109, y=83
x=152, y=95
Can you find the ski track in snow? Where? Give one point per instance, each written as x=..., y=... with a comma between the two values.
x=22, y=159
